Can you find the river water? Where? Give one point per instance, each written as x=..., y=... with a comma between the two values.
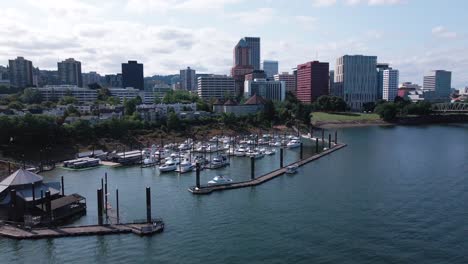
x=394, y=195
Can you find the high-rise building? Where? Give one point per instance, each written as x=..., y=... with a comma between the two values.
x=312, y=81
x=215, y=86
x=91, y=77
x=270, y=67
x=69, y=72
x=113, y=80
x=289, y=79
x=242, y=65
x=188, y=79
x=254, y=44
x=437, y=85
x=381, y=67
x=132, y=75
x=21, y=72
x=331, y=82
x=390, y=84
x=356, y=79
x=271, y=90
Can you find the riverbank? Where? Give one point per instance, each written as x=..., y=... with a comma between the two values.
x=345, y=120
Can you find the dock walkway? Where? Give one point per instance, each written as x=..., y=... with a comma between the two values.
x=207, y=189
x=141, y=229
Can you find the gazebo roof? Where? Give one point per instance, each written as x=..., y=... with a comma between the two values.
x=255, y=100
x=21, y=177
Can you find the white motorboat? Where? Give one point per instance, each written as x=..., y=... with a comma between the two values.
x=270, y=152
x=184, y=146
x=170, y=165
x=240, y=152
x=185, y=166
x=218, y=162
x=291, y=169
x=219, y=180
x=293, y=144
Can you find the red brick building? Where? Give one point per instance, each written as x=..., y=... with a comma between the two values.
x=312, y=81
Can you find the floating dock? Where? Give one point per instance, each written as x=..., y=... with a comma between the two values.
x=141, y=229
x=207, y=189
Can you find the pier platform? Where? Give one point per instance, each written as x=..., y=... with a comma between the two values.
x=207, y=189
x=141, y=229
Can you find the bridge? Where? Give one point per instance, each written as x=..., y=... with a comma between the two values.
x=450, y=108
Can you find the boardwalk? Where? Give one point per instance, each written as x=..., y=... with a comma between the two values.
x=92, y=230
x=264, y=178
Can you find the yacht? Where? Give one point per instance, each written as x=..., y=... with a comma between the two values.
x=185, y=166
x=291, y=169
x=170, y=165
x=270, y=152
x=293, y=143
x=240, y=152
x=219, y=180
x=218, y=162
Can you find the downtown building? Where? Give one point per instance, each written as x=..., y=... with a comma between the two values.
x=390, y=84
x=69, y=72
x=289, y=79
x=356, y=80
x=254, y=44
x=215, y=86
x=57, y=92
x=132, y=75
x=20, y=73
x=312, y=81
x=242, y=65
x=90, y=78
x=270, y=67
x=437, y=86
x=113, y=80
x=188, y=79
x=270, y=90
x=381, y=67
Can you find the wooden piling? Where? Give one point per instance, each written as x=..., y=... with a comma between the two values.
x=48, y=206
x=63, y=187
x=117, y=202
x=252, y=168
x=281, y=157
x=316, y=145
x=197, y=168
x=302, y=151
x=336, y=137
x=329, y=141
x=99, y=206
x=148, y=204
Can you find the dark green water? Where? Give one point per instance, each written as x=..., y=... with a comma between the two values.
x=394, y=195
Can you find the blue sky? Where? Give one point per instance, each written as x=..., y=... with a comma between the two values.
x=415, y=36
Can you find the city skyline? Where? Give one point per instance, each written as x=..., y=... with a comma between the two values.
x=102, y=41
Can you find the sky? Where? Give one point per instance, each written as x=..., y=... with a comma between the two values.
x=414, y=36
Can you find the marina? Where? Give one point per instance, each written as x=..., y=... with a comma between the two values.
x=207, y=189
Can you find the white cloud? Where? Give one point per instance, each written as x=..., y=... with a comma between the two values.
x=142, y=6
x=257, y=17
x=374, y=2
x=442, y=32
x=320, y=3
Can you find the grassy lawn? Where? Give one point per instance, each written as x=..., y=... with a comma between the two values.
x=343, y=117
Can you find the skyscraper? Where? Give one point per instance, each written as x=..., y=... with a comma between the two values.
x=356, y=79
x=242, y=66
x=390, y=84
x=312, y=81
x=270, y=67
x=381, y=67
x=69, y=72
x=132, y=75
x=437, y=85
x=21, y=72
x=271, y=90
x=254, y=45
x=188, y=79
x=331, y=82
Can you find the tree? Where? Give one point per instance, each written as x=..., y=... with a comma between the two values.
x=66, y=100
x=130, y=106
x=172, y=122
x=31, y=96
x=269, y=111
x=387, y=111
x=15, y=105
x=104, y=94
x=368, y=107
